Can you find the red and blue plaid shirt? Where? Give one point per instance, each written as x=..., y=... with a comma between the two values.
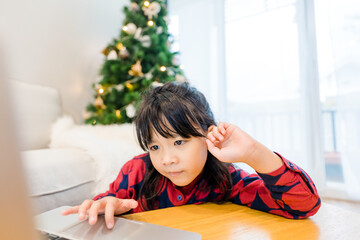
x=288, y=191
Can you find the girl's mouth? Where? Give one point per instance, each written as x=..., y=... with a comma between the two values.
x=174, y=174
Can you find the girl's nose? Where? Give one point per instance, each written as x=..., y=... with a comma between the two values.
x=169, y=158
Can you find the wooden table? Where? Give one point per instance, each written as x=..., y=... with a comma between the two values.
x=230, y=221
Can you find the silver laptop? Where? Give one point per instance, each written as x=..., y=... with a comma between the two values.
x=16, y=221
x=54, y=225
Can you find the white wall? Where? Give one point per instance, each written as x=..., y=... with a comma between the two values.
x=58, y=43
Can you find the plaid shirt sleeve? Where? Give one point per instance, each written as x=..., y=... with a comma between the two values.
x=128, y=182
x=288, y=191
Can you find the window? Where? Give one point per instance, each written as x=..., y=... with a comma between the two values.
x=285, y=71
x=264, y=95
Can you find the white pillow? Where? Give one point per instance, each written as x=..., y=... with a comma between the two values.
x=110, y=146
x=35, y=108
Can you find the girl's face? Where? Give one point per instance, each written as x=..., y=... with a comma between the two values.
x=179, y=159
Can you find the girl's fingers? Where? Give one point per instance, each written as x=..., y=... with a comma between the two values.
x=117, y=206
x=213, y=149
x=84, y=207
x=109, y=205
x=210, y=144
x=129, y=204
x=71, y=210
x=94, y=211
x=222, y=128
x=215, y=132
x=109, y=215
x=210, y=128
x=211, y=137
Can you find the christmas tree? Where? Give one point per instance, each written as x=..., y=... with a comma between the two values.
x=138, y=59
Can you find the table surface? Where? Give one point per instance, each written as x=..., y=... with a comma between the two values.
x=231, y=221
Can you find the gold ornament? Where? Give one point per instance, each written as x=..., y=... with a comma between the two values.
x=99, y=103
x=129, y=86
x=119, y=46
x=136, y=69
x=106, y=51
x=118, y=113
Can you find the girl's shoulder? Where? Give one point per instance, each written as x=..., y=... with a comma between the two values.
x=137, y=163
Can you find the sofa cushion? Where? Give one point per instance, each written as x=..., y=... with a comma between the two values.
x=53, y=170
x=36, y=108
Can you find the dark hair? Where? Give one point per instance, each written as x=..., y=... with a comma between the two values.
x=186, y=110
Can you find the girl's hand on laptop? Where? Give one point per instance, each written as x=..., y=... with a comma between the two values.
x=109, y=206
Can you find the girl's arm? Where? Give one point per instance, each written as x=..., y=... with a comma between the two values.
x=229, y=143
x=280, y=187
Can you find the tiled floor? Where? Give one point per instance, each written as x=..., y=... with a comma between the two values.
x=349, y=205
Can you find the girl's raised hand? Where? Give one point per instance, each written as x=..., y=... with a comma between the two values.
x=229, y=143
x=109, y=206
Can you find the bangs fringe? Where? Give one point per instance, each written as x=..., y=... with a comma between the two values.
x=169, y=122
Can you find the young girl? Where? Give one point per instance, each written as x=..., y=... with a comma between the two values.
x=189, y=161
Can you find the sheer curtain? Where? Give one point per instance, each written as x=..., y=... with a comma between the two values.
x=266, y=75
x=338, y=28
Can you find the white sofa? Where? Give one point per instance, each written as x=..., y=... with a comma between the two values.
x=71, y=169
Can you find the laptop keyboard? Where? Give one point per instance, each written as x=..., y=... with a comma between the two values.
x=48, y=236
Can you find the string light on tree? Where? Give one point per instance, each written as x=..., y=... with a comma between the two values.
x=100, y=90
x=150, y=23
x=163, y=68
x=146, y=3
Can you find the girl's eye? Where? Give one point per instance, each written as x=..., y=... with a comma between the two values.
x=179, y=142
x=155, y=147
